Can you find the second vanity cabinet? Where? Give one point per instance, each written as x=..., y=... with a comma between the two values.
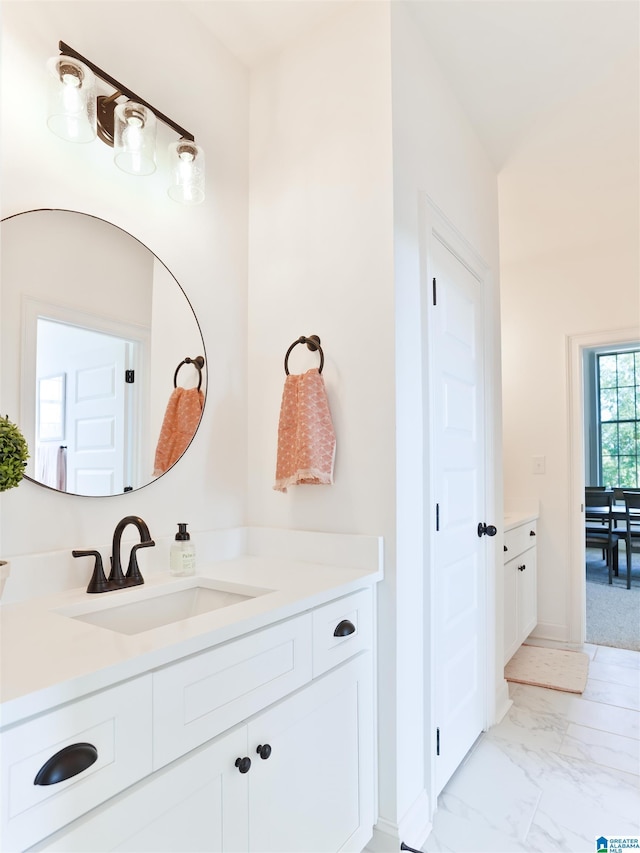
x=264, y=743
x=520, y=585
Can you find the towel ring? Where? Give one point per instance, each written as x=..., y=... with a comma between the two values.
x=198, y=361
x=313, y=343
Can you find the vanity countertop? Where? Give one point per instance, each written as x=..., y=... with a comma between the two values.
x=49, y=658
x=516, y=518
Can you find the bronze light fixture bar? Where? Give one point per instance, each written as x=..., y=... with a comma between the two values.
x=106, y=105
x=122, y=120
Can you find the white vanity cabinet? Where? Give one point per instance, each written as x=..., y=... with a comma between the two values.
x=314, y=791
x=264, y=743
x=113, y=723
x=520, y=585
x=197, y=803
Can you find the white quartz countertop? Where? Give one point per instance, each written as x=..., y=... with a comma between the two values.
x=516, y=518
x=49, y=658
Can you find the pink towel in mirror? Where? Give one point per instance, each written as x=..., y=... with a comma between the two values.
x=181, y=420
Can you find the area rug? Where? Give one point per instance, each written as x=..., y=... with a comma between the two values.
x=613, y=611
x=556, y=669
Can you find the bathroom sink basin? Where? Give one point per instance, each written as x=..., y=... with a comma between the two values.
x=161, y=607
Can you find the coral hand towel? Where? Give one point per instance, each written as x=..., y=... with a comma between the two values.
x=181, y=420
x=306, y=439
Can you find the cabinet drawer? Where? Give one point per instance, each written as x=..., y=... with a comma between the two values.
x=114, y=722
x=353, y=611
x=518, y=539
x=201, y=696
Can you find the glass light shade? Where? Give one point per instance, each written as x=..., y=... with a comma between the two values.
x=135, y=139
x=72, y=99
x=187, y=172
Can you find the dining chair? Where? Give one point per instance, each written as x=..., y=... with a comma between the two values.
x=632, y=531
x=599, y=526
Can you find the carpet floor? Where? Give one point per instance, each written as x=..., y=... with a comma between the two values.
x=613, y=611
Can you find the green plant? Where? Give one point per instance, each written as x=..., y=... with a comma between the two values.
x=13, y=454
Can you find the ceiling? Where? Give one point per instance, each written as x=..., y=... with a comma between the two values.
x=253, y=30
x=509, y=62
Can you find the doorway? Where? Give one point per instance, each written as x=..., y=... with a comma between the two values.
x=612, y=451
x=81, y=411
x=582, y=471
x=95, y=421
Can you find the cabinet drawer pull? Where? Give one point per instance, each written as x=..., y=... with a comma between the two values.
x=522, y=568
x=532, y=533
x=344, y=628
x=264, y=751
x=243, y=764
x=70, y=761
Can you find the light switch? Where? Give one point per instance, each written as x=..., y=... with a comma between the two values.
x=538, y=464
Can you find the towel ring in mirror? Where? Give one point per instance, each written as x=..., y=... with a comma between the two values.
x=198, y=363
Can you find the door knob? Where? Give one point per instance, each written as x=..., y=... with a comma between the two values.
x=486, y=529
x=243, y=764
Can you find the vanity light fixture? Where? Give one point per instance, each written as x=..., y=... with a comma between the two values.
x=78, y=114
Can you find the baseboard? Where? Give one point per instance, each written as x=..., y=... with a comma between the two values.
x=503, y=702
x=413, y=829
x=551, y=631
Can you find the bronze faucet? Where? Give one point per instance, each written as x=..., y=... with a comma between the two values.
x=117, y=579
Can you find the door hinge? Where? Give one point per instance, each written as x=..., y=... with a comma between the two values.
x=129, y=376
x=437, y=517
x=437, y=741
x=435, y=295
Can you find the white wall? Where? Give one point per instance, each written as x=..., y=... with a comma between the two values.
x=569, y=235
x=197, y=82
x=321, y=263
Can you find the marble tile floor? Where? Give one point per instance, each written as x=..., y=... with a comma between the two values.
x=559, y=771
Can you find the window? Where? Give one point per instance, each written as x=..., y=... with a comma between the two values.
x=618, y=418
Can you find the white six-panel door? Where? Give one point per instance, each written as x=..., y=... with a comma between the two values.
x=456, y=426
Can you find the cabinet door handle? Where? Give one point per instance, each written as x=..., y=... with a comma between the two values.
x=486, y=529
x=243, y=764
x=522, y=568
x=66, y=763
x=344, y=628
x=264, y=751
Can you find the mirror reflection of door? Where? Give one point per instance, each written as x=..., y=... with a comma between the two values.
x=91, y=453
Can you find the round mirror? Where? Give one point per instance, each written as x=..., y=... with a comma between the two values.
x=103, y=361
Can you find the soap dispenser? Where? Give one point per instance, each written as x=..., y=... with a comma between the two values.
x=182, y=555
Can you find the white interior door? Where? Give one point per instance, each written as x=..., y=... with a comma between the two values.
x=97, y=427
x=456, y=378
x=96, y=416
